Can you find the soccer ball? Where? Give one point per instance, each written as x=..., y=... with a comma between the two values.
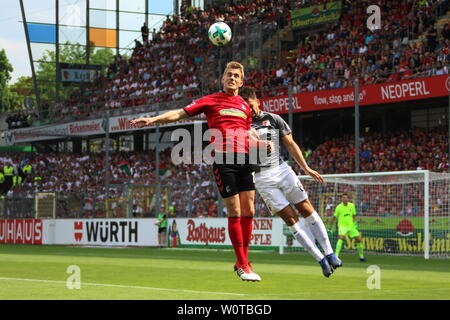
x=219, y=34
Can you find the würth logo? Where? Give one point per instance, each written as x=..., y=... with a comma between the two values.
x=78, y=226
x=112, y=231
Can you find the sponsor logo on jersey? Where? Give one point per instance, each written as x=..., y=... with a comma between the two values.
x=191, y=105
x=262, y=131
x=266, y=123
x=233, y=112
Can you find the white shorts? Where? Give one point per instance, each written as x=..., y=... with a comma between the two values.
x=279, y=187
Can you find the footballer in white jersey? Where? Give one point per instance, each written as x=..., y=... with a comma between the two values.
x=281, y=189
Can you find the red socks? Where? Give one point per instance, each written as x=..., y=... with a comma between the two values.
x=247, y=228
x=240, y=232
x=235, y=233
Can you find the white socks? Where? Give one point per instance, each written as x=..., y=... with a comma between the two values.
x=319, y=231
x=302, y=237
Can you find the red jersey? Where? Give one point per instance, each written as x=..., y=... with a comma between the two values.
x=227, y=114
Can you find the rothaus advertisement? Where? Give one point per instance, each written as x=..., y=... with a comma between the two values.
x=213, y=232
x=21, y=231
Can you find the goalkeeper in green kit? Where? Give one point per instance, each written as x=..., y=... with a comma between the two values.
x=345, y=213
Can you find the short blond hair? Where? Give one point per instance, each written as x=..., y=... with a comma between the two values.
x=235, y=65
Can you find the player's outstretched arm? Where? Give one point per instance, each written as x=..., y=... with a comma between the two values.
x=296, y=153
x=170, y=116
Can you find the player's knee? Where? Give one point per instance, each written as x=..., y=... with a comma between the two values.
x=234, y=212
x=304, y=213
x=248, y=213
x=290, y=221
x=247, y=210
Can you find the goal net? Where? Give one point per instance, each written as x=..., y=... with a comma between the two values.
x=45, y=205
x=401, y=213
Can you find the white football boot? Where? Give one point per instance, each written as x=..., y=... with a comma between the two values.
x=246, y=274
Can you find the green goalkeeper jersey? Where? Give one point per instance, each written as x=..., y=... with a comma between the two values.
x=345, y=214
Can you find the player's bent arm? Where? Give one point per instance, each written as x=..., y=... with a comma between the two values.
x=294, y=150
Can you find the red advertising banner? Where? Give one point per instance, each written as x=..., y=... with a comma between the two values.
x=415, y=89
x=21, y=231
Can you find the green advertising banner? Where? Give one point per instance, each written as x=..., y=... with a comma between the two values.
x=317, y=14
x=400, y=235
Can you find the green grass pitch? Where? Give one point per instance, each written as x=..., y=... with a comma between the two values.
x=40, y=272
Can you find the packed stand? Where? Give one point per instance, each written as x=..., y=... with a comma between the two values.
x=406, y=46
x=170, y=67
x=179, y=63
x=415, y=149
x=80, y=180
x=191, y=190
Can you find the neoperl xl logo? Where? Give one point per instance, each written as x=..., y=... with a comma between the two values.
x=106, y=231
x=21, y=231
x=204, y=234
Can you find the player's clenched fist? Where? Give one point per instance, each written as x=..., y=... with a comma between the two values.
x=253, y=134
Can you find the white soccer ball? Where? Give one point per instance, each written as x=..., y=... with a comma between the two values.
x=219, y=34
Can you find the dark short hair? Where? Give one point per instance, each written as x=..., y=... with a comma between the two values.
x=344, y=195
x=247, y=93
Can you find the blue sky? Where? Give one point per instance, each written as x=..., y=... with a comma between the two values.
x=12, y=35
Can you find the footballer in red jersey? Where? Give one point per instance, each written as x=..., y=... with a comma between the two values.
x=228, y=113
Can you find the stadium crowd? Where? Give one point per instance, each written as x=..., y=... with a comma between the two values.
x=180, y=63
x=20, y=120
x=400, y=150
x=83, y=176
x=191, y=189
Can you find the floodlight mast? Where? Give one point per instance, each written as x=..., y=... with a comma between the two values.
x=30, y=55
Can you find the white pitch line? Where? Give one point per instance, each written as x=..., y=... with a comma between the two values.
x=125, y=286
x=235, y=294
